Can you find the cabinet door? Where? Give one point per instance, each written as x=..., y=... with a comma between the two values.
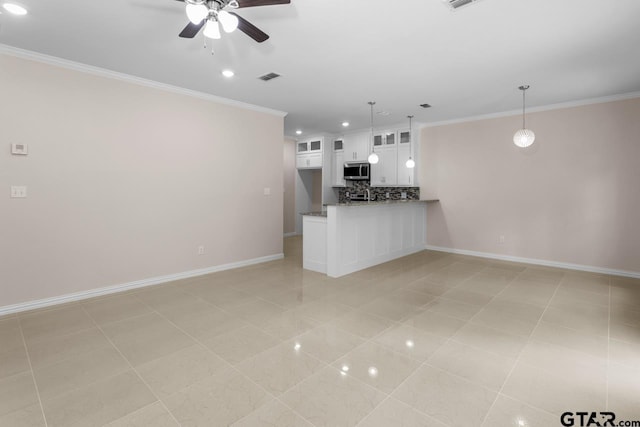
x=378, y=139
x=301, y=161
x=404, y=137
x=338, y=168
x=384, y=173
x=303, y=147
x=315, y=161
x=356, y=147
x=389, y=138
x=315, y=146
x=361, y=146
x=405, y=175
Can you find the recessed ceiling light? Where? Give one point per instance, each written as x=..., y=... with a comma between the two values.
x=345, y=124
x=15, y=9
x=298, y=132
x=228, y=73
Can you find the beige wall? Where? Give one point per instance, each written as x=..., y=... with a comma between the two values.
x=573, y=197
x=125, y=181
x=289, y=176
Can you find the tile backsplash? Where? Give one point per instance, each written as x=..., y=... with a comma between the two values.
x=377, y=193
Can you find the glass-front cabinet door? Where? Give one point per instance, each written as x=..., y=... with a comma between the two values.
x=303, y=147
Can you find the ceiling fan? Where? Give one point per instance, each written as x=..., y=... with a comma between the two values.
x=210, y=14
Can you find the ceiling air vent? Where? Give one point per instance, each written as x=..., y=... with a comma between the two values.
x=425, y=105
x=455, y=4
x=269, y=76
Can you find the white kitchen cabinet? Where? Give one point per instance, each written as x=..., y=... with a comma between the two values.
x=385, y=138
x=356, y=147
x=302, y=147
x=309, y=153
x=384, y=173
x=337, y=163
x=315, y=145
x=405, y=175
x=309, y=161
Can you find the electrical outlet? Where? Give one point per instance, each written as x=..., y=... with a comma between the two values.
x=201, y=250
x=267, y=191
x=18, y=191
x=501, y=239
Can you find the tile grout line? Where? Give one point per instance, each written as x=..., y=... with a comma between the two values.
x=506, y=380
x=133, y=369
x=33, y=376
x=201, y=344
x=424, y=363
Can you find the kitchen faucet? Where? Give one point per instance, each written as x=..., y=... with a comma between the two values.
x=368, y=193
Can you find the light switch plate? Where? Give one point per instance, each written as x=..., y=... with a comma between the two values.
x=19, y=149
x=18, y=191
x=267, y=191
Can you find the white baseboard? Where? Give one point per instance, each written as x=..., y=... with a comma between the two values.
x=293, y=233
x=546, y=263
x=46, y=302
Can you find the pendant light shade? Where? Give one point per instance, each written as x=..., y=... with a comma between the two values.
x=212, y=29
x=410, y=164
x=524, y=137
x=229, y=22
x=197, y=12
x=373, y=157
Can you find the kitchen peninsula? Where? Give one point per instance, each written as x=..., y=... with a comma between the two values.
x=352, y=236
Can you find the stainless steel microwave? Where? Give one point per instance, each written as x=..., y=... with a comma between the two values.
x=356, y=171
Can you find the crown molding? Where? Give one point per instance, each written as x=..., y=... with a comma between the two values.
x=558, y=106
x=103, y=72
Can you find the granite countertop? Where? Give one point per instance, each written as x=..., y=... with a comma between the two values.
x=382, y=202
x=323, y=213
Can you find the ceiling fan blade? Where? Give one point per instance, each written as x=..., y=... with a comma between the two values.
x=251, y=30
x=191, y=30
x=254, y=3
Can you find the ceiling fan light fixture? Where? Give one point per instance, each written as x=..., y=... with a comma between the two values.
x=196, y=12
x=229, y=22
x=212, y=29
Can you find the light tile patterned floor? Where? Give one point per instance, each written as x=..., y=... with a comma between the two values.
x=428, y=340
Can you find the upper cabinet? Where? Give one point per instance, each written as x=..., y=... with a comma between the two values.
x=394, y=149
x=356, y=147
x=384, y=173
x=309, y=153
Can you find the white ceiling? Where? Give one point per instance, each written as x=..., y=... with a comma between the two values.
x=334, y=56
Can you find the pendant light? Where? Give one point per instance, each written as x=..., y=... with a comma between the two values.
x=410, y=163
x=524, y=137
x=373, y=157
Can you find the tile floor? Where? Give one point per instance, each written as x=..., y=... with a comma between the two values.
x=427, y=340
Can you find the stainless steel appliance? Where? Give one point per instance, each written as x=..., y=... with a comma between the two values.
x=356, y=171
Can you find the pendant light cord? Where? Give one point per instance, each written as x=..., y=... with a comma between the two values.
x=524, y=90
x=523, y=93
x=371, y=103
x=410, y=136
